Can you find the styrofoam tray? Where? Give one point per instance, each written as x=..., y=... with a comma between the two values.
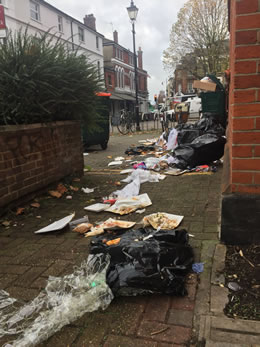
x=97, y=207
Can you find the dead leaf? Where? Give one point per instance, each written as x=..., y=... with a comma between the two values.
x=55, y=194
x=39, y=217
x=75, y=189
x=20, y=210
x=109, y=157
x=118, y=183
x=6, y=223
x=61, y=188
x=35, y=204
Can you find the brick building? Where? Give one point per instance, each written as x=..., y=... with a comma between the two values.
x=120, y=77
x=183, y=80
x=241, y=181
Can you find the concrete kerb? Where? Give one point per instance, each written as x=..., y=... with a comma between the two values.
x=215, y=329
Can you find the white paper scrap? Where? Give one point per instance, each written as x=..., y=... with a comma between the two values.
x=58, y=225
x=114, y=163
x=88, y=190
x=97, y=207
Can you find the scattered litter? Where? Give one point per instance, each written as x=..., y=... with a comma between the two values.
x=114, y=163
x=155, y=265
x=131, y=189
x=172, y=140
x=234, y=286
x=39, y=217
x=159, y=331
x=161, y=177
x=126, y=171
x=242, y=255
x=140, y=166
x=55, y=194
x=58, y=225
x=125, y=206
x=74, y=189
x=175, y=172
x=35, y=204
x=85, y=154
x=109, y=157
x=96, y=207
x=64, y=300
x=198, y=267
x=61, y=188
x=162, y=220
x=88, y=190
x=140, y=211
x=69, y=197
x=76, y=180
x=78, y=221
x=95, y=231
x=83, y=228
x=118, y=183
x=119, y=158
x=6, y=223
x=20, y=210
x=113, y=242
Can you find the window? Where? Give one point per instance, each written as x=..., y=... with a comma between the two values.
x=131, y=60
x=35, y=10
x=190, y=87
x=60, y=24
x=81, y=34
x=109, y=80
x=98, y=67
x=97, y=42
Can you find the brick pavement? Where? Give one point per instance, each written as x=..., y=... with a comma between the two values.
x=26, y=259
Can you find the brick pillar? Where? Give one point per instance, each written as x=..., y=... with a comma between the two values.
x=242, y=155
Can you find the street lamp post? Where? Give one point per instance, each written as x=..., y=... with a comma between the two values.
x=132, y=12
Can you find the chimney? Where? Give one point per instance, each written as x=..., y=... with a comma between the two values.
x=140, y=58
x=90, y=21
x=115, y=34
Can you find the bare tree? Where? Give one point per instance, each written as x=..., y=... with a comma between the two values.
x=199, y=39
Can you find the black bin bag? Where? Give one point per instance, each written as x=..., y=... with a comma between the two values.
x=203, y=150
x=145, y=261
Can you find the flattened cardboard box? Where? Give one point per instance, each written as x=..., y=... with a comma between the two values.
x=204, y=85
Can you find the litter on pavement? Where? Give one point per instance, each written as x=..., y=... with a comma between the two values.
x=142, y=265
x=88, y=190
x=58, y=225
x=125, y=206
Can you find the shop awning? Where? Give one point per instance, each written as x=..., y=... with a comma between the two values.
x=117, y=96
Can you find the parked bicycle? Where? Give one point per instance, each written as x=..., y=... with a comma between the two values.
x=126, y=122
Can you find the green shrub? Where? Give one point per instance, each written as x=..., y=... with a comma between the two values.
x=40, y=81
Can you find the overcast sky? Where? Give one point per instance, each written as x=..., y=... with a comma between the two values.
x=154, y=21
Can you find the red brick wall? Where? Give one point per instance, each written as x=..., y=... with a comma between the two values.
x=33, y=156
x=244, y=102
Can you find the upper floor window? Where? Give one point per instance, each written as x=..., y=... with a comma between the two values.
x=60, y=24
x=97, y=42
x=131, y=60
x=81, y=34
x=98, y=67
x=3, y=2
x=109, y=79
x=35, y=10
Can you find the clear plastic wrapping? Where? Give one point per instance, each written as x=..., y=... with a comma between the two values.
x=64, y=300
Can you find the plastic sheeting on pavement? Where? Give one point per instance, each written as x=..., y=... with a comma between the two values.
x=147, y=261
x=172, y=140
x=64, y=300
x=134, y=181
x=127, y=205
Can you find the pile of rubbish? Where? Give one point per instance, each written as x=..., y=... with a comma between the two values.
x=154, y=258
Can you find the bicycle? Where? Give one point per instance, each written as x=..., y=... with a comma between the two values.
x=126, y=122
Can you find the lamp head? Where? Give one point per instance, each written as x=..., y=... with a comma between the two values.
x=132, y=11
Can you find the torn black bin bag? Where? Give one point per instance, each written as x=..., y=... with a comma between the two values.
x=139, y=150
x=188, y=135
x=203, y=150
x=141, y=265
